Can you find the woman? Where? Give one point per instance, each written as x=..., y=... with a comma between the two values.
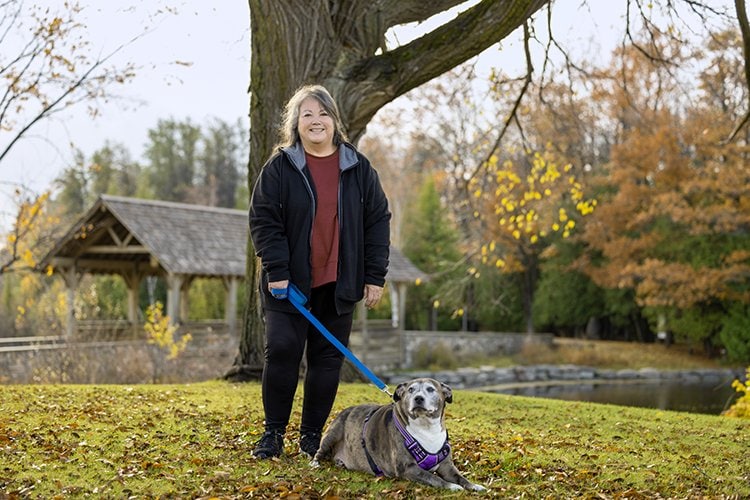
x=318, y=219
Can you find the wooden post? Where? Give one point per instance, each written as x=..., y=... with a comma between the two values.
x=395, y=305
x=70, y=276
x=230, y=310
x=401, y=306
x=182, y=316
x=401, y=322
x=133, y=280
x=174, y=284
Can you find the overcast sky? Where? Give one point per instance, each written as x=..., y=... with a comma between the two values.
x=194, y=63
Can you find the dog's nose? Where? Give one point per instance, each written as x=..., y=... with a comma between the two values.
x=419, y=400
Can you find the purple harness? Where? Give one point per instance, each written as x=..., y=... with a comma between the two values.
x=424, y=459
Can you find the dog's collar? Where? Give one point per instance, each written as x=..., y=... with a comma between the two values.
x=425, y=460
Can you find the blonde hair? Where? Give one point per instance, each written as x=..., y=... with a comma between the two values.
x=288, y=132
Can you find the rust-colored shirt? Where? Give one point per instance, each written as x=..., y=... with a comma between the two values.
x=325, y=231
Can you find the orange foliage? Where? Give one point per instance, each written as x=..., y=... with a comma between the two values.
x=674, y=224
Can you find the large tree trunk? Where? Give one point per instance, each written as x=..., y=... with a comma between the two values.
x=340, y=44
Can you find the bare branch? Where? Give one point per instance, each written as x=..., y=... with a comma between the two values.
x=650, y=29
x=512, y=116
x=39, y=78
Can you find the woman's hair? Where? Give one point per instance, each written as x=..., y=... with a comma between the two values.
x=288, y=133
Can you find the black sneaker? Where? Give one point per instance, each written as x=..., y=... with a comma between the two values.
x=271, y=444
x=309, y=443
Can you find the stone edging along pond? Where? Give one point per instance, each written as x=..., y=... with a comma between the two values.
x=510, y=377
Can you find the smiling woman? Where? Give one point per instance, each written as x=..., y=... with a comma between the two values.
x=319, y=220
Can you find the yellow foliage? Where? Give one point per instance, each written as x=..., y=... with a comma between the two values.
x=160, y=332
x=525, y=210
x=741, y=408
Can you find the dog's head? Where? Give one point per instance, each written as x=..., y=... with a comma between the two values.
x=423, y=396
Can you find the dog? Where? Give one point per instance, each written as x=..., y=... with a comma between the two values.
x=405, y=439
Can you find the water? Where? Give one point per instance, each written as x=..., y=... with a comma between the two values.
x=695, y=397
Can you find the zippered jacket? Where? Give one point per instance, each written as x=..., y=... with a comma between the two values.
x=282, y=209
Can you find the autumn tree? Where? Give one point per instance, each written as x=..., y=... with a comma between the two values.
x=673, y=226
x=522, y=201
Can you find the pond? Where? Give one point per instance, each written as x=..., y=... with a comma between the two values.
x=695, y=397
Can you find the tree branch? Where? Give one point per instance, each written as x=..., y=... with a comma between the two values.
x=414, y=11
x=514, y=110
x=384, y=77
x=51, y=106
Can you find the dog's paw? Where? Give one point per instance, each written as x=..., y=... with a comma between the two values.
x=477, y=487
x=455, y=487
x=314, y=464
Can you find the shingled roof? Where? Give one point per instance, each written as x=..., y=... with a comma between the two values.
x=119, y=233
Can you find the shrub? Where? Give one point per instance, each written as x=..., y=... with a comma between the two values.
x=438, y=357
x=741, y=408
x=735, y=332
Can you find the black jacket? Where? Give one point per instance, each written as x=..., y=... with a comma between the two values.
x=281, y=217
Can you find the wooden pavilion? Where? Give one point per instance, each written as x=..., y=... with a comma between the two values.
x=135, y=238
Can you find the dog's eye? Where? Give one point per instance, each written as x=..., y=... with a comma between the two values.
x=430, y=389
x=411, y=389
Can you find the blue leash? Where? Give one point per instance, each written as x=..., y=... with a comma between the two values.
x=298, y=300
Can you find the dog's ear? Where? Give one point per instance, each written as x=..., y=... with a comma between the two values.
x=447, y=392
x=399, y=392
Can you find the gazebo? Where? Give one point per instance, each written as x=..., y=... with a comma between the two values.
x=135, y=238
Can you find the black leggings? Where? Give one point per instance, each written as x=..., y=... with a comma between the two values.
x=286, y=335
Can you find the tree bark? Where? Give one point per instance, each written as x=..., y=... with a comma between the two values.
x=340, y=44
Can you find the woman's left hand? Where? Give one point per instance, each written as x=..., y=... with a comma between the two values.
x=373, y=293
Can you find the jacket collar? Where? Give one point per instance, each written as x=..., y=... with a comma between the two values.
x=347, y=156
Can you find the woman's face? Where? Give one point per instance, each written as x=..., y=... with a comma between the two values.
x=315, y=126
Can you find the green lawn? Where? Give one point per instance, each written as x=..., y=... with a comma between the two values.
x=191, y=441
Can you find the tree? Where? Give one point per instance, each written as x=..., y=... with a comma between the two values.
x=524, y=201
x=223, y=148
x=432, y=245
x=673, y=224
x=30, y=232
x=112, y=171
x=172, y=152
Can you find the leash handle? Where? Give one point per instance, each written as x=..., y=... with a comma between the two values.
x=298, y=300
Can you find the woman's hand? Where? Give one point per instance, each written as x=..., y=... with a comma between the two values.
x=278, y=286
x=373, y=293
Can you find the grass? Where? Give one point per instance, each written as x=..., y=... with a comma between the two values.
x=195, y=441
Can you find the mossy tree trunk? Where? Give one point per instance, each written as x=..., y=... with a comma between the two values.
x=341, y=44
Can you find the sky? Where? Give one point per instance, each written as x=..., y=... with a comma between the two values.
x=193, y=63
